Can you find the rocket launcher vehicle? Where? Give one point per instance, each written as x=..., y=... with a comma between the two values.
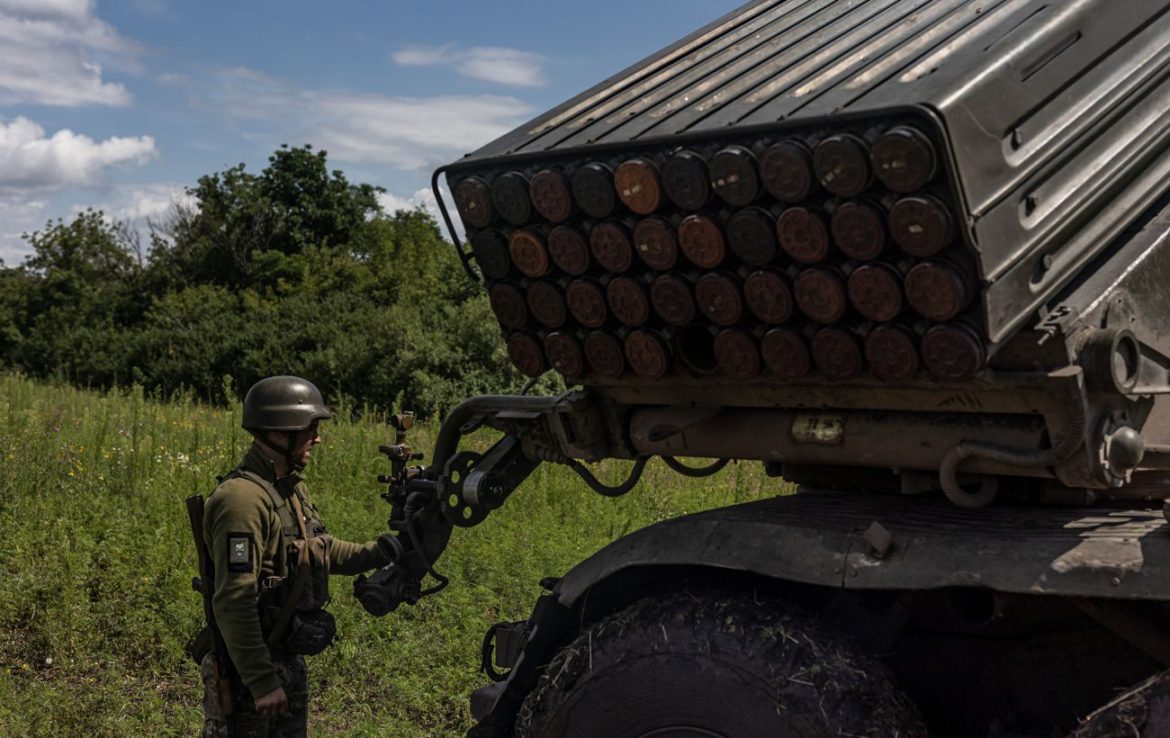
x=926, y=237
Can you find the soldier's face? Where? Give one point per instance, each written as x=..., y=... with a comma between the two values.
x=305, y=441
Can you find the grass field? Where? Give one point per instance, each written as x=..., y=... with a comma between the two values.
x=96, y=561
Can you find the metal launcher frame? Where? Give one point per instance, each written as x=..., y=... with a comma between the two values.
x=925, y=236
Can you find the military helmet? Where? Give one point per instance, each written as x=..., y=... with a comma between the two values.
x=283, y=404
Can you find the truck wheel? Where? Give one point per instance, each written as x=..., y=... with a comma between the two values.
x=716, y=665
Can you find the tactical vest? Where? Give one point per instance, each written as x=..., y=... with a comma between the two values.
x=291, y=604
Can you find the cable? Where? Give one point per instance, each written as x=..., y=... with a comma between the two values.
x=695, y=471
x=604, y=489
x=416, y=541
x=948, y=472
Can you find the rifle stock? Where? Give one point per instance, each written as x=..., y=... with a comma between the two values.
x=223, y=664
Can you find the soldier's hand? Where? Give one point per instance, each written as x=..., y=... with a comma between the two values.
x=273, y=703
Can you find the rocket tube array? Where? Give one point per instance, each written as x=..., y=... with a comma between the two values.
x=833, y=254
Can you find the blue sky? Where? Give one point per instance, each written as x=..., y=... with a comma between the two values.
x=120, y=105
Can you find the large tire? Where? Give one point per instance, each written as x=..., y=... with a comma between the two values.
x=710, y=663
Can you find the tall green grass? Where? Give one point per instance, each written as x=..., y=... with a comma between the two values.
x=96, y=563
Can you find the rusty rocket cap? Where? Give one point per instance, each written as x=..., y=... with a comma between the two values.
x=639, y=185
x=952, y=351
x=529, y=253
x=701, y=239
x=803, y=234
x=837, y=353
x=737, y=354
x=904, y=159
x=549, y=192
x=939, y=290
x=565, y=355
x=593, y=190
x=671, y=297
x=875, y=289
x=586, y=301
x=686, y=180
x=628, y=301
x=510, y=198
x=719, y=298
x=656, y=243
x=473, y=200
x=647, y=353
x=786, y=169
x=569, y=250
x=842, y=165
x=892, y=352
x=605, y=354
x=547, y=303
x=785, y=353
x=526, y=354
x=821, y=295
x=858, y=230
x=509, y=305
x=921, y=225
x=768, y=295
x=735, y=176
x=612, y=246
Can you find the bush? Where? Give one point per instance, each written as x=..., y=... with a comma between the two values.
x=291, y=271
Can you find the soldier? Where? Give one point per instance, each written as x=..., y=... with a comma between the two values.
x=271, y=559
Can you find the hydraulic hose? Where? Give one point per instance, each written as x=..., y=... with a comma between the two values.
x=603, y=489
x=695, y=471
x=948, y=472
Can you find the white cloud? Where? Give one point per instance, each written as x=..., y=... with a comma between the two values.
x=19, y=216
x=422, y=198
x=392, y=203
x=413, y=133
x=52, y=53
x=29, y=159
x=422, y=56
x=47, y=8
x=487, y=63
x=138, y=203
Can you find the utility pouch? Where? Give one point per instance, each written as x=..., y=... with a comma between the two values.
x=315, y=594
x=310, y=633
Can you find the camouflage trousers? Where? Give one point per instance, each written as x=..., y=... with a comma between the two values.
x=250, y=724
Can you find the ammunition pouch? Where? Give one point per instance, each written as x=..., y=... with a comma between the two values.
x=316, y=592
x=309, y=633
x=308, y=628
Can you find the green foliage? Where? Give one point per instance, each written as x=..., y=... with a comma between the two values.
x=251, y=231
x=96, y=604
x=292, y=270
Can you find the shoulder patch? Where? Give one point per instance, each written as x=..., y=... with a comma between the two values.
x=239, y=558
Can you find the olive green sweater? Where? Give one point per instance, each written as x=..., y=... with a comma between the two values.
x=244, y=535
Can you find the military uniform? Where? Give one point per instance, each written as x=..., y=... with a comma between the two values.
x=258, y=548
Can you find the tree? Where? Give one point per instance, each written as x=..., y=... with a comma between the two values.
x=79, y=295
x=252, y=231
